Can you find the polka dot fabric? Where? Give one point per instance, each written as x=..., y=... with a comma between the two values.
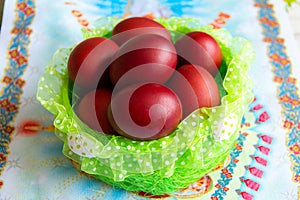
x=200, y=143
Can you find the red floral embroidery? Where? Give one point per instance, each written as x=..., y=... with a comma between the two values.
x=4, y=103
x=292, y=80
x=280, y=40
x=265, y=20
x=22, y=6
x=238, y=147
x=20, y=82
x=284, y=61
x=9, y=129
x=13, y=54
x=27, y=31
x=275, y=57
x=228, y=175
x=6, y=79
x=2, y=157
x=224, y=171
x=295, y=102
x=288, y=124
x=267, y=39
x=11, y=108
x=263, y=117
x=29, y=11
x=21, y=60
x=278, y=79
x=295, y=149
x=285, y=99
x=15, y=30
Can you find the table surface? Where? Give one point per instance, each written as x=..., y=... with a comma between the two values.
x=293, y=13
x=265, y=162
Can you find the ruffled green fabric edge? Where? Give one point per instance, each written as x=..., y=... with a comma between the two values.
x=201, y=141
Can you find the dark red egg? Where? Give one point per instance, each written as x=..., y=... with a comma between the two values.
x=195, y=87
x=135, y=26
x=144, y=58
x=92, y=110
x=145, y=111
x=88, y=63
x=201, y=49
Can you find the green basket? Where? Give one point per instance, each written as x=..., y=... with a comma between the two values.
x=200, y=143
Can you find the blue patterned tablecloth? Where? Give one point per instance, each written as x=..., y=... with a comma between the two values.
x=265, y=163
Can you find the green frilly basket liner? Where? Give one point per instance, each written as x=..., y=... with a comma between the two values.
x=200, y=143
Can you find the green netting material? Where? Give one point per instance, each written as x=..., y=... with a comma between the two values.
x=200, y=143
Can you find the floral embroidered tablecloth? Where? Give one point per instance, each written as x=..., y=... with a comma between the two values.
x=265, y=163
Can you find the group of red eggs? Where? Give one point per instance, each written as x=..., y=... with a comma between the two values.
x=138, y=83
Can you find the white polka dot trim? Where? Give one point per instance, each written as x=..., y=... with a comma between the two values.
x=81, y=145
x=226, y=127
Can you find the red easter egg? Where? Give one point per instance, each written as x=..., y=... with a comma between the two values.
x=145, y=112
x=88, y=63
x=92, y=110
x=144, y=58
x=201, y=49
x=131, y=27
x=195, y=87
